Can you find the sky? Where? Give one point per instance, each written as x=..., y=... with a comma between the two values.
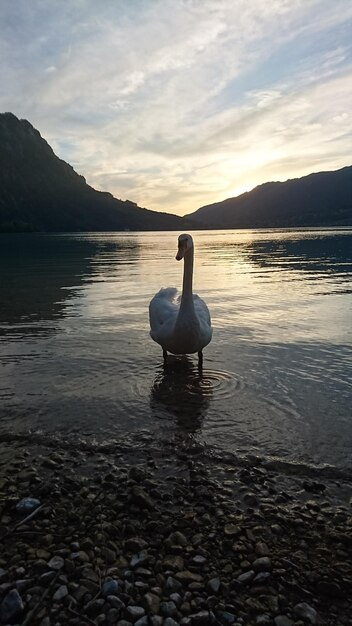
x=175, y=104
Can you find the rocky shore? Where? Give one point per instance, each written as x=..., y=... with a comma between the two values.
x=169, y=535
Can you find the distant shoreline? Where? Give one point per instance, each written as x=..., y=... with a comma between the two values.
x=197, y=228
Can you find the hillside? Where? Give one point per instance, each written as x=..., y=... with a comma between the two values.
x=39, y=191
x=321, y=199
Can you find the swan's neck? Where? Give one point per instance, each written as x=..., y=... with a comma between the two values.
x=187, y=294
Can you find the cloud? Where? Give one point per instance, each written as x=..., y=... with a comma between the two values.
x=178, y=104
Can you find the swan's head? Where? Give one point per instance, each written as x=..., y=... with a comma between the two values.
x=185, y=243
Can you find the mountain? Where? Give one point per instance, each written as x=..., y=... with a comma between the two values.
x=40, y=192
x=321, y=199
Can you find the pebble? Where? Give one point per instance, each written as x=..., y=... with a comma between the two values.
x=169, y=621
x=226, y=618
x=306, y=612
x=263, y=564
x=168, y=609
x=11, y=607
x=283, y=620
x=152, y=603
x=110, y=588
x=198, y=560
x=27, y=505
x=246, y=577
x=115, y=602
x=60, y=593
x=213, y=585
x=134, y=612
x=3, y=575
x=172, y=585
x=143, y=621
x=56, y=563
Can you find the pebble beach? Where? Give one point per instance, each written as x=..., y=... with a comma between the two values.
x=163, y=534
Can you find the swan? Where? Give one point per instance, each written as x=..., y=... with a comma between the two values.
x=181, y=325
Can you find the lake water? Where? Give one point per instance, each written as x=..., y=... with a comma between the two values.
x=77, y=361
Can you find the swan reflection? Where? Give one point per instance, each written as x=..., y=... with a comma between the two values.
x=183, y=390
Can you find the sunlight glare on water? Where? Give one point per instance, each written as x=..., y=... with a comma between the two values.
x=76, y=355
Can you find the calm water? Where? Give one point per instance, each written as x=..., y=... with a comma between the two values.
x=77, y=359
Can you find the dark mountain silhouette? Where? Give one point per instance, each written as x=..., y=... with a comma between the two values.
x=321, y=199
x=40, y=192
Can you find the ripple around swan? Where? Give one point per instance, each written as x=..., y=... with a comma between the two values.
x=184, y=377
x=223, y=384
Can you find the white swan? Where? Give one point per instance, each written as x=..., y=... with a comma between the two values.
x=182, y=324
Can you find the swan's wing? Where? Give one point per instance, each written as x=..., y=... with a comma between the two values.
x=163, y=307
x=202, y=310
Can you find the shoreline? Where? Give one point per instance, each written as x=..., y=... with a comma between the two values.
x=165, y=535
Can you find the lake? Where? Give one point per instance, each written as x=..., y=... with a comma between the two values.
x=77, y=361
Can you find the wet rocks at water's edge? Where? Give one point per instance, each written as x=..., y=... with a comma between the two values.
x=160, y=542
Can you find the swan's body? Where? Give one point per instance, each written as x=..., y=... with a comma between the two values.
x=181, y=324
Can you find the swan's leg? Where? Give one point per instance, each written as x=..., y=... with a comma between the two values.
x=200, y=358
x=165, y=354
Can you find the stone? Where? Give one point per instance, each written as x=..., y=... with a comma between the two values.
x=172, y=585
x=306, y=612
x=151, y=603
x=328, y=588
x=263, y=620
x=27, y=505
x=261, y=577
x=56, y=563
x=199, y=560
x=11, y=607
x=43, y=554
x=226, y=618
x=155, y=620
x=232, y=530
x=202, y=618
x=89, y=574
x=187, y=577
x=94, y=607
x=261, y=549
x=134, y=612
x=250, y=499
x=169, y=621
x=143, y=621
x=176, y=598
x=263, y=564
x=141, y=498
x=115, y=602
x=246, y=577
x=176, y=539
x=168, y=609
x=213, y=585
x=81, y=556
x=143, y=572
x=23, y=584
x=140, y=559
x=135, y=544
x=3, y=575
x=60, y=593
x=110, y=588
x=109, y=555
x=283, y=620
x=173, y=562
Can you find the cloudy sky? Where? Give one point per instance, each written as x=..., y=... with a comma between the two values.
x=179, y=103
